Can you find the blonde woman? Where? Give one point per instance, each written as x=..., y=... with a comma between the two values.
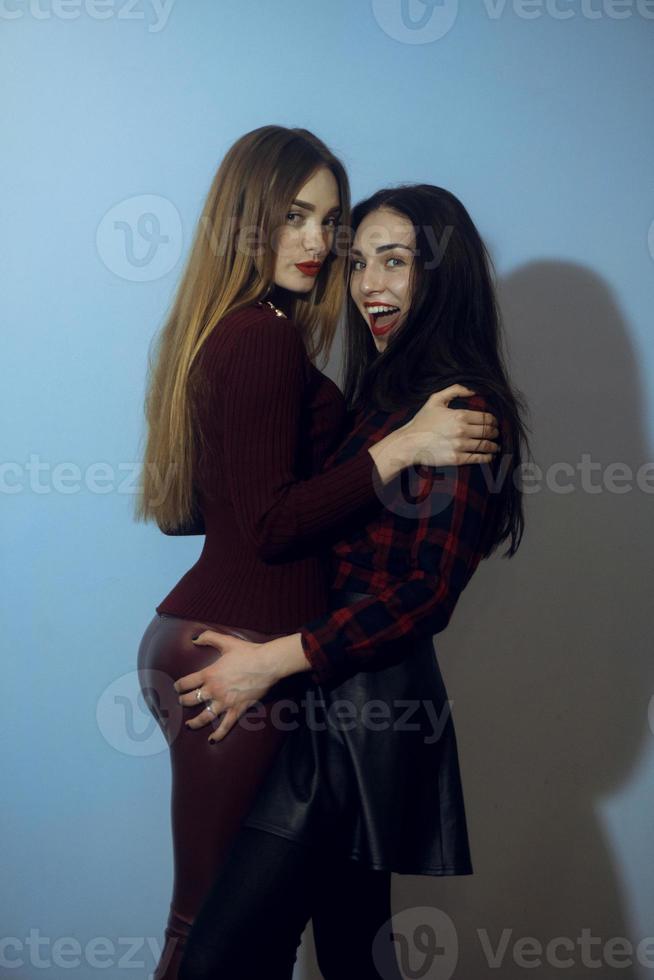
x=239, y=424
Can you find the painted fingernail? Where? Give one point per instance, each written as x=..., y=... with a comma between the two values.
x=186, y=725
x=195, y=637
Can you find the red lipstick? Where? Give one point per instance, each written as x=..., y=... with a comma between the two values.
x=309, y=268
x=381, y=331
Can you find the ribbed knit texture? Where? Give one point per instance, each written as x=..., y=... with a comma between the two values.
x=270, y=420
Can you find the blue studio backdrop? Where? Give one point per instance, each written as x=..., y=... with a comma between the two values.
x=537, y=114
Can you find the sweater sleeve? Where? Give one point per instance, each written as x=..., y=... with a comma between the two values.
x=264, y=378
x=445, y=548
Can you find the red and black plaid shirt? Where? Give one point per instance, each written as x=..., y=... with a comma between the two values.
x=414, y=554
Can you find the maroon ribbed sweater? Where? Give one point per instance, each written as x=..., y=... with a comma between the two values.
x=270, y=420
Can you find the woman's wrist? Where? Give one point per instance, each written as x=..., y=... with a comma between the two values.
x=393, y=453
x=285, y=656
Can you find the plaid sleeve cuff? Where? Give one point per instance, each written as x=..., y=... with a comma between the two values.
x=321, y=671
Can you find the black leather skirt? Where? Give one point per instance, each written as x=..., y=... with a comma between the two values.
x=371, y=763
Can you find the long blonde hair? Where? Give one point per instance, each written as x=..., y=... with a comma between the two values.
x=250, y=193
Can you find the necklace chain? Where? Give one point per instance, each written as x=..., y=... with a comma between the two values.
x=276, y=311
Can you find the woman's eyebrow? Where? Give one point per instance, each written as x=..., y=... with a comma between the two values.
x=383, y=248
x=386, y=248
x=311, y=207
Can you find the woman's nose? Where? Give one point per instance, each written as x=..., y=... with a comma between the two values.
x=371, y=280
x=314, y=239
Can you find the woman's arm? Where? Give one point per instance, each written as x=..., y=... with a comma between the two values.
x=445, y=550
x=445, y=547
x=263, y=376
x=262, y=373
x=386, y=455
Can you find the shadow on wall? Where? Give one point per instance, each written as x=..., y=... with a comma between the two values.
x=546, y=659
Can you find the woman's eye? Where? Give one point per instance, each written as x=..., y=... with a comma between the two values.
x=290, y=217
x=331, y=222
x=395, y=259
x=356, y=265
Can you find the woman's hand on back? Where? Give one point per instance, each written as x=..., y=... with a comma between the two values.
x=438, y=435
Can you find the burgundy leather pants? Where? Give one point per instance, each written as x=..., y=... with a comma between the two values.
x=213, y=786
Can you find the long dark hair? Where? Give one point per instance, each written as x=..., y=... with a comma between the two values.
x=452, y=334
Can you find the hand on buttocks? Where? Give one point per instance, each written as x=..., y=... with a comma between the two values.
x=240, y=677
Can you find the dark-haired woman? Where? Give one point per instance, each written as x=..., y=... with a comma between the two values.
x=240, y=423
x=348, y=801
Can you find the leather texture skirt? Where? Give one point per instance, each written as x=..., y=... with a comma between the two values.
x=373, y=762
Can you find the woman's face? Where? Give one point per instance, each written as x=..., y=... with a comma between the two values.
x=382, y=256
x=303, y=242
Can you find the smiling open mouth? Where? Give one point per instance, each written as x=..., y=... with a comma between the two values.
x=382, y=317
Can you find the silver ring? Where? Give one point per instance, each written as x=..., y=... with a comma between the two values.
x=209, y=708
x=198, y=694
